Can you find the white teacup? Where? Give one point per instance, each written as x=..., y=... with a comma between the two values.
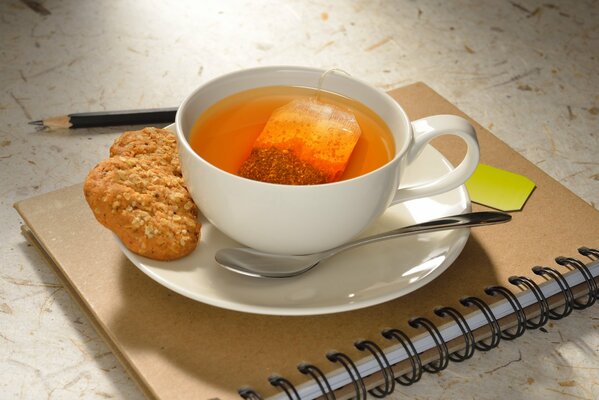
x=293, y=219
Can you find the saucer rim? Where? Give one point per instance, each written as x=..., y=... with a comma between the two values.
x=453, y=251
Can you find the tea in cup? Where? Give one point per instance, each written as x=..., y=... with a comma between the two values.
x=217, y=127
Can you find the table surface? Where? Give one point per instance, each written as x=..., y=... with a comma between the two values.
x=526, y=70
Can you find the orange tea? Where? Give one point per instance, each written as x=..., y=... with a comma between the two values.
x=225, y=133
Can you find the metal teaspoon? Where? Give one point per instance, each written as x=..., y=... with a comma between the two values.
x=250, y=262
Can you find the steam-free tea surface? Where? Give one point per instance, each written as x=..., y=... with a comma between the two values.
x=226, y=132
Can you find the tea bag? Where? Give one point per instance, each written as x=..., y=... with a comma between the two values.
x=304, y=142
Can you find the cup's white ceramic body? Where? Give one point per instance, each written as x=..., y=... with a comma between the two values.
x=304, y=219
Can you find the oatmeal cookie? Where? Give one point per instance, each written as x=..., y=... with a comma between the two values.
x=138, y=194
x=160, y=145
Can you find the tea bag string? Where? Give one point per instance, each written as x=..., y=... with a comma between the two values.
x=324, y=75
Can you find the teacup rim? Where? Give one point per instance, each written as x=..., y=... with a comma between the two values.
x=183, y=141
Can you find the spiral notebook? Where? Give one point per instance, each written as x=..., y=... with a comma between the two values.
x=174, y=347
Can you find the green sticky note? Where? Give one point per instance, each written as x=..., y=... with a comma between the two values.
x=499, y=189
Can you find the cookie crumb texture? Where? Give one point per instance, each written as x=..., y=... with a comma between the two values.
x=139, y=194
x=158, y=145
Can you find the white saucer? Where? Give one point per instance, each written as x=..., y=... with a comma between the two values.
x=355, y=279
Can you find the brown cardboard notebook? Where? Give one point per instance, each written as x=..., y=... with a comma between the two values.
x=175, y=347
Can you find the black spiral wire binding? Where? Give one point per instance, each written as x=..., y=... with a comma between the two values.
x=523, y=323
x=491, y=321
x=468, y=351
x=591, y=253
x=379, y=355
x=443, y=361
x=320, y=379
x=249, y=394
x=541, y=300
x=352, y=371
x=283, y=384
x=520, y=327
x=565, y=289
x=408, y=378
x=592, y=293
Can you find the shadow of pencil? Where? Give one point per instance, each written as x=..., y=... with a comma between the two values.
x=62, y=132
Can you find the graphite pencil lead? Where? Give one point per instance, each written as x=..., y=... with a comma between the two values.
x=39, y=122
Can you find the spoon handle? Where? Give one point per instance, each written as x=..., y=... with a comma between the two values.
x=440, y=224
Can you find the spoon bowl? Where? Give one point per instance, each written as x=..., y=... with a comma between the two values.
x=254, y=263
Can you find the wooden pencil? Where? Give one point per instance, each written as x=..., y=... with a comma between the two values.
x=109, y=118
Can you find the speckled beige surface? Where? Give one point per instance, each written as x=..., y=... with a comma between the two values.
x=527, y=70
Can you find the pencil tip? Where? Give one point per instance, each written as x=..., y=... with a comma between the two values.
x=40, y=122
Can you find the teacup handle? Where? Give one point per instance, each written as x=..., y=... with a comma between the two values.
x=424, y=130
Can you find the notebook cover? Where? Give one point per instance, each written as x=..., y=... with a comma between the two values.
x=175, y=347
